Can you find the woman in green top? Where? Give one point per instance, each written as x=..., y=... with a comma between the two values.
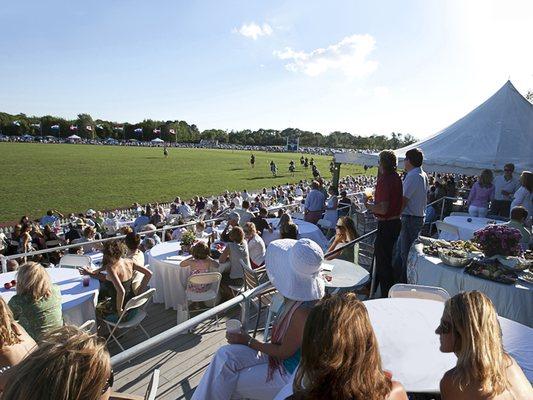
x=37, y=304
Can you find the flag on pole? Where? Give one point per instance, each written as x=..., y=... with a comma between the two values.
x=89, y=127
x=99, y=126
x=138, y=130
x=17, y=123
x=57, y=127
x=72, y=127
x=157, y=131
x=172, y=131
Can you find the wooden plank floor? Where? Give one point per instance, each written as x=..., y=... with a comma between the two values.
x=181, y=361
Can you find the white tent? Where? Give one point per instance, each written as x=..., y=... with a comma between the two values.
x=74, y=137
x=497, y=132
x=157, y=140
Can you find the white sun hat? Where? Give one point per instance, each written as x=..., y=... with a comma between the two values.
x=90, y=212
x=294, y=267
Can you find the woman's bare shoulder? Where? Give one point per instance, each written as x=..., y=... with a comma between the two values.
x=398, y=392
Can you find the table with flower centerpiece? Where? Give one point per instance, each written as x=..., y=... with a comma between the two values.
x=513, y=300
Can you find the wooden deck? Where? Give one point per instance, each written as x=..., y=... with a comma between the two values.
x=181, y=361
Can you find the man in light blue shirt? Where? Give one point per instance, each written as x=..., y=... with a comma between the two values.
x=50, y=218
x=141, y=221
x=415, y=187
x=314, y=204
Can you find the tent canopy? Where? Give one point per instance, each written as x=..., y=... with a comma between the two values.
x=497, y=132
x=74, y=137
x=157, y=140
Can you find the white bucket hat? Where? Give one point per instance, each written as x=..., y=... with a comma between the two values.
x=294, y=266
x=90, y=212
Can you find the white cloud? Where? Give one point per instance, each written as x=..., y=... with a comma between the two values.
x=350, y=56
x=253, y=30
x=381, y=91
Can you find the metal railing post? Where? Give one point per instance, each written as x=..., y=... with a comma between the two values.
x=4, y=263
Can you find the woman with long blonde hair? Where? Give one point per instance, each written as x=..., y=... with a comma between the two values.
x=469, y=328
x=69, y=364
x=15, y=343
x=340, y=355
x=37, y=304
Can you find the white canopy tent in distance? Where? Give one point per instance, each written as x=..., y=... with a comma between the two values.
x=497, y=132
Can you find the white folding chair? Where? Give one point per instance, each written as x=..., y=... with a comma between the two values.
x=273, y=311
x=401, y=290
x=138, y=302
x=448, y=228
x=210, y=294
x=74, y=261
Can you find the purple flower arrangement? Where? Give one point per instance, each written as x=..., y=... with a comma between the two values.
x=498, y=240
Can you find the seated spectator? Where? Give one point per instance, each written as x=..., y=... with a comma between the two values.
x=232, y=221
x=344, y=204
x=146, y=245
x=15, y=343
x=199, y=262
x=256, y=245
x=185, y=211
x=124, y=230
x=157, y=217
x=469, y=328
x=68, y=364
x=289, y=231
x=12, y=265
x=151, y=234
x=235, y=251
x=328, y=370
x=50, y=218
x=245, y=215
x=524, y=195
x=249, y=368
x=345, y=232
x=116, y=285
x=111, y=224
x=89, y=235
x=199, y=230
x=284, y=220
x=141, y=221
x=260, y=221
x=74, y=230
x=37, y=304
x=518, y=217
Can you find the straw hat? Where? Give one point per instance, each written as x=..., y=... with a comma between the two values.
x=294, y=266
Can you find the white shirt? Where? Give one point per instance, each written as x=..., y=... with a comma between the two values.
x=415, y=187
x=524, y=198
x=256, y=249
x=245, y=196
x=237, y=201
x=509, y=186
x=245, y=215
x=185, y=211
x=298, y=191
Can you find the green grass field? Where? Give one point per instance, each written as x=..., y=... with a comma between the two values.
x=73, y=178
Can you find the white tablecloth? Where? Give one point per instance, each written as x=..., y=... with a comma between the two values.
x=511, y=301
x=345, y=274
x=78, y=302
x=169, y=279
x=466, y=228
x=409, y=347
x=305, y=230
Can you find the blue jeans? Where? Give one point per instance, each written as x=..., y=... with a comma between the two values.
x=411, y=227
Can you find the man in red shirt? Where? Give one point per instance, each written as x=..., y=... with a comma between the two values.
x=387, y=208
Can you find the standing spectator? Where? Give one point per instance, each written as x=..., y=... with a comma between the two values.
x=482, y=192
x=387, y=208
x=37, y=304
x=314, y=204
x=50, y=218
x=331, y=214
x=504, y=187
x=415, y=186
x=524, y=195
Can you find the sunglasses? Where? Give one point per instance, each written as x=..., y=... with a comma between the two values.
x=109, y=382
x=508, y=170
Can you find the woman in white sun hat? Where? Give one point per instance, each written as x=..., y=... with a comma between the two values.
x=248, y=368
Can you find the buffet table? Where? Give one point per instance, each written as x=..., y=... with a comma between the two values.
x=513, y=301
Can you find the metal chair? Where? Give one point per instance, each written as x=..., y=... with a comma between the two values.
x=88, y=325
x=138, y=302
x=74, y=261
x=401, y=290
x=273, y=311
x=210, y=294
x=448, y=228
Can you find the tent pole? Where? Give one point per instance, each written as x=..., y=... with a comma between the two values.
x=336, y=174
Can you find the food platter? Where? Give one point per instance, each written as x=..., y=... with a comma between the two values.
x=491, y=270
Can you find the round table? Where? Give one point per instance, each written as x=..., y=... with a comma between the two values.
x=78, y=302
x=344, y=274
x=409, y=347
x=466, y=228
x=169, y=279
x=305, y=230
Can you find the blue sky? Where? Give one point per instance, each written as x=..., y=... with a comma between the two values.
x=411, y=66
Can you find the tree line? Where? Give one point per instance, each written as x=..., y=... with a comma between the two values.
x=180, y=131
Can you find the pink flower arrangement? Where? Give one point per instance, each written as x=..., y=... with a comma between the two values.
x=498, y=239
